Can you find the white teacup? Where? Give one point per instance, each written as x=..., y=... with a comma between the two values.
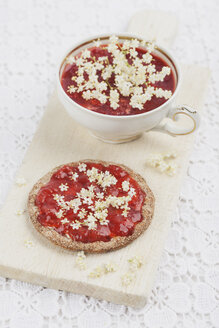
x=118, y=129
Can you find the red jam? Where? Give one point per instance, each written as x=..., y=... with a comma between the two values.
x=70, y=70
x=117, y=224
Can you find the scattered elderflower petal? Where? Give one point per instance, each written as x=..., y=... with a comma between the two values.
x=102, y=269
x=19, y=212
x=135, y=263
x=169, y=155
x=171, y=170
x=63, y=187
x=20, y=181
x=80, y=260
x=110, y=267
x=28, y=243
x=97, y=272
x=128, y=278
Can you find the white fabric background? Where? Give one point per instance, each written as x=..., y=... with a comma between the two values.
x=32, y=35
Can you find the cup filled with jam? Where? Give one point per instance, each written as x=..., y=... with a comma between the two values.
x=121, y=86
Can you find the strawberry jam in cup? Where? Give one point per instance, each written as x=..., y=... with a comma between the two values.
x=121, y=86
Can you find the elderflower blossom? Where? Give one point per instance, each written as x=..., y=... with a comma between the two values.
x=90, y=222
x=114, y=39
x=126, y=45
x=87, y=95
x=134, y=43
x=82, y=167
x=59, y=214
x=133, y=53
x=162, y=164
x=102, y=216
x=79, y=61
x=63, y=187
x=125, y=185
x=70, y=59
x=65, y=221
x=159, y=76
x=150, y=46
x=100, y=195
x=82, y=213
x=107, y=72
x=74, y=176
x=147, y=58
x=104, y=179
x=137, y=101
x=86, y=53
x=74, y=204
x=97, y=43
x=114, y=99
x=75, y=225
x=79, y=79
x=132, y=192
x=72, y=89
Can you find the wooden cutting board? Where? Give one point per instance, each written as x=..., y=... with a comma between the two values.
x=60, y=140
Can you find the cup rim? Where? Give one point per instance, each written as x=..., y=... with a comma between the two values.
x=77, y=45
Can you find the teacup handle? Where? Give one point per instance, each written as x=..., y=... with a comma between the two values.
x=171, y=128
